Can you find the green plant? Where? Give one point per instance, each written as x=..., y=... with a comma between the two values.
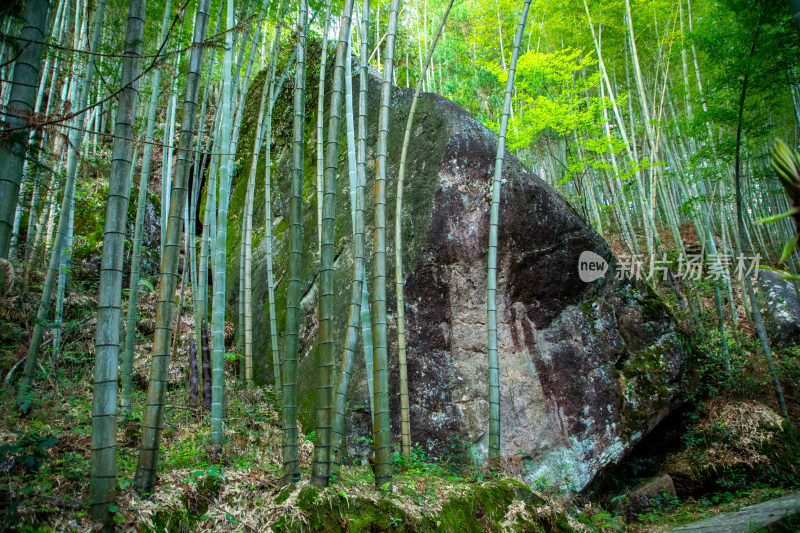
x=30, y=450
x=541, y=484
x=213, y=472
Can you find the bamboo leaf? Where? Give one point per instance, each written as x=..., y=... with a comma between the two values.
x=787, y=249
x=774, y=218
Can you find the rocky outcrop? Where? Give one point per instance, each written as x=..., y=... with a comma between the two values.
x=778, y=301
x=586, y=369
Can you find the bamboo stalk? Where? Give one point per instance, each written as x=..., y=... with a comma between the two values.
x=491, y=300
x=405, y=424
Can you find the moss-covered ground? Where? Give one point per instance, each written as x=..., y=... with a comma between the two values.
x=46, y=461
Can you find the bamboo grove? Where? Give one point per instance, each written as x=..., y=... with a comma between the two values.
x=649, y=117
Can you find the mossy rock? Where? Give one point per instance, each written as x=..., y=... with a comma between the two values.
x=418, y=197
x=579, y=358
x=479, y=508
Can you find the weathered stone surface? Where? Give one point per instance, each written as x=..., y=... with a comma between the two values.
x=778, y=301
x=748, y=519
x=586, y=368
x=650, y=492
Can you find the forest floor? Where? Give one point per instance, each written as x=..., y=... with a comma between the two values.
x=731, y=452
x=44, y=481
x=45, y=456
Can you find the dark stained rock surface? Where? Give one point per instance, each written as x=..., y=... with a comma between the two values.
x=586, y=369
x=778, y=302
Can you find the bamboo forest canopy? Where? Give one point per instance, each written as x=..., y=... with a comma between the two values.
x=432, y=254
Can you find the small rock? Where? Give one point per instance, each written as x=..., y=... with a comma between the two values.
x=778, y=301
x=651, y=492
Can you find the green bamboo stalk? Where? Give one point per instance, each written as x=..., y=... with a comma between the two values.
x=246, y=270
x=103, y=480
x=39, y=226
x=167, y=169
x=62, y=283
x=320, y=121
x=179, y=309
x=210, y=216
x=357, y=198
x=159, y=372
x=361, y=168
x=381, y=426
x=405, y=424
x=247, y=240
x=241, y=354
x=491, y=297
x=273, y=323
x=295, y=290
x=239, y=89
x=36, y=137
x=327, y=336
x=20, y=104
x=169, y=139
x=126, y=363
x=201, y=304
x=746, y=247
x=247, y=285
x=794, y=9
x=257, y=145
x=218, y=317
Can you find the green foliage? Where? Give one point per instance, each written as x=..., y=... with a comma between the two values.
x=786, y=164
x=147, y=285
x=552, y=91
x=30, y=450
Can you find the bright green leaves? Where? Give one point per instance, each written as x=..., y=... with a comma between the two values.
x=552, y=89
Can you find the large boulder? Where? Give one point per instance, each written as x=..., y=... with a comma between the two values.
x=586, y=368
x=778, y=300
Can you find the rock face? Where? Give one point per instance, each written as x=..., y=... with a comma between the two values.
x=781, y=310
x=586, y=369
